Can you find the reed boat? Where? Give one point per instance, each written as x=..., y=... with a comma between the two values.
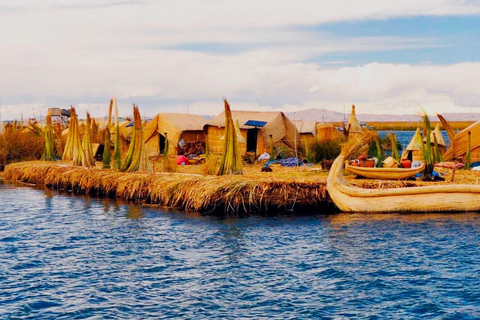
x=438, y=198
x=385, y=173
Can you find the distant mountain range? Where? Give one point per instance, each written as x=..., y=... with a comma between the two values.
x=321, y=115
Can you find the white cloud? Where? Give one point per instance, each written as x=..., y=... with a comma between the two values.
x=82, y=52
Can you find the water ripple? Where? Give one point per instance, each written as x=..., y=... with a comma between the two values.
x=65, y=257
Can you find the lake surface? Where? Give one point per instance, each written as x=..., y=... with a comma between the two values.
x=404, y=137
x=68, y=257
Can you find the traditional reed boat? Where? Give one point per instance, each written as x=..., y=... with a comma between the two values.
x=439, y=198
x=385, y=173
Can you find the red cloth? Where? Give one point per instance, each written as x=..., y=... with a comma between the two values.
x=182, y=160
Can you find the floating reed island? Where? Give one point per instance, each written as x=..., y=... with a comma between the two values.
x=287, y=190
x=142, y=162
x=253, y=192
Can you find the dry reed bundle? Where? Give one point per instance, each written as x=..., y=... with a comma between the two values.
x=446, y=126
x=107, y=157
x=117, y=157
x=87, y=155
x=73, y=148
x=49, y=153
x=136, y=158
x=428, y=154
x=57, y=130
x=436, y=149
x=231, y=162
x=393, y=141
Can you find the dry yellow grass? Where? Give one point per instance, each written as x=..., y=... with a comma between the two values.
x=284, y=190
x=190, y=189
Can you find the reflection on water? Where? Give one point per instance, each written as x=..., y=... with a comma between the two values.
x=80, y=257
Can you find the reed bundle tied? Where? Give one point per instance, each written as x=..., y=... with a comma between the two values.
x=136, y=158
x=231, y=161
x=73, y=148
x=117, y=157
x=107, y=156
x=49, y=153
x=88, y=159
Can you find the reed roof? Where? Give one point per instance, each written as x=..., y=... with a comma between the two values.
x=306, y=127
x=438, y=135
x=174, y=124
x=416, y=143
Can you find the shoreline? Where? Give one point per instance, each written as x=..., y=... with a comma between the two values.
x=184, y=191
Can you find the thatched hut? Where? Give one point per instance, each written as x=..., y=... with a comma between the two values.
x=182, y=130
x=458, y=147
x=414, y=150
x=327, y=132
x=307, y=130
x=256, y=135
x=442, y=145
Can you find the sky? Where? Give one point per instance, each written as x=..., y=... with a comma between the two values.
x=386, y=57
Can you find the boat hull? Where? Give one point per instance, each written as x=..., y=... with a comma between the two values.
x=385, y=173
x=439, y=198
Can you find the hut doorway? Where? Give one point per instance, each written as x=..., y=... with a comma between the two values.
x=252, y=135
x=161, y=143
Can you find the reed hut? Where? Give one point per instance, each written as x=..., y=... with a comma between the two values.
x=307, y=130
x=459, y=145
x=442, y=146
x=255, y=128
x=327, y=132
x=414, y=150
x=353, y=127
x=182, y=130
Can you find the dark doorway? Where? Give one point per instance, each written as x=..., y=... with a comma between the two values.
x=252, y=140
x=162, y=144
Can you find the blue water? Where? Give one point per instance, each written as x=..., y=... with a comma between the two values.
x=404, y=137
x=66, y=257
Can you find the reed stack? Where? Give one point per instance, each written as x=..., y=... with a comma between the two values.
x=73, y=148
x=49, y=153
x=87, y=151
x=107, y=155
x=117, y=157
x=136, y=158
x=231, y=161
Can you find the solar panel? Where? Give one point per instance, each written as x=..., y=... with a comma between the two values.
x=255, y=123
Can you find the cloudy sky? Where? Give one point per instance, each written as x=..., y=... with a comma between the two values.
x=183, y=56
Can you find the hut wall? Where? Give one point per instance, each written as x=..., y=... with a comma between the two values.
x=328, y=133
x=191, y=136
x=153, y=146
x=215, y=144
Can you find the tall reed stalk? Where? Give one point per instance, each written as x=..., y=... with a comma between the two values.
x=107, y=156
x=437, y=154
x=117, y=156
x=428, y=153
x=393, y=141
